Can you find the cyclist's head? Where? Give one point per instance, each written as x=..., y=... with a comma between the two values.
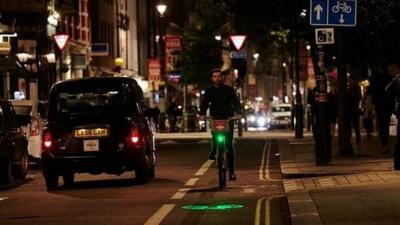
x=217, y=78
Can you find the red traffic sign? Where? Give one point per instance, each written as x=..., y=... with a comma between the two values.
x=238, y=41
x=61, y=40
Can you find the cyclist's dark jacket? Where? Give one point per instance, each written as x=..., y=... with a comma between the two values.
x=222, y=101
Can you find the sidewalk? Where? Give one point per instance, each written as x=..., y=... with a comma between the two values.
x=359, y=189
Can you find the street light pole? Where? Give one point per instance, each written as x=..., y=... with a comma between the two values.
x=298, y=99
x=161, y=9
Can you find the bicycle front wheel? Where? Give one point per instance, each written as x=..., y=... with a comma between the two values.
x=221, y=164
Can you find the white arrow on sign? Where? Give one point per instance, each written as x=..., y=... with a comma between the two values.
x=341, y=20
x=318, y=8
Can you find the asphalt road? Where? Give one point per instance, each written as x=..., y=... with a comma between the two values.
x=183, y=192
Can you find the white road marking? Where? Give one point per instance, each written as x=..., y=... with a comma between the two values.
x=248, y=189
x=3, y=198
x=157, y=217
x=180, y=194
x=267, y=211
x=203, y=169
x=191, y=182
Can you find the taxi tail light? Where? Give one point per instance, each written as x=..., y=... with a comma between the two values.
x=135, y=138
x=34, y=127
x=47, y=141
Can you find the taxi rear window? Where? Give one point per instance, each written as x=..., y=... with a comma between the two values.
x=95, y=101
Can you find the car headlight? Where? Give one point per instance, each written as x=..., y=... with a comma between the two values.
x=261, y=121
x=252, y=118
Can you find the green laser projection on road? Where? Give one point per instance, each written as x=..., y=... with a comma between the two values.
x=220, y=207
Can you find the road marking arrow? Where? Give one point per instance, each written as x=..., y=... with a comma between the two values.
x=341, y=20
x=318, y=8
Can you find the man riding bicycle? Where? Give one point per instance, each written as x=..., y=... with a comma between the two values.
x=223, y=103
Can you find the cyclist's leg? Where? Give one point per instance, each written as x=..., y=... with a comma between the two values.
x=231, y=149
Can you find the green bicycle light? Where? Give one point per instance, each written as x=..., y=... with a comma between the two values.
x=220, y=138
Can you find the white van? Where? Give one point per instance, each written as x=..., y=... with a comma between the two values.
x=280, y=115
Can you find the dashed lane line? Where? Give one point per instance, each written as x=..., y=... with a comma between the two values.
x=181, y=193
x=191, y=182
x=203, y=169
x=165, y=209
x=160, y=214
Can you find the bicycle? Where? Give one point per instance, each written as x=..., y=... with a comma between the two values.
x=219, y=131
x=341, y=7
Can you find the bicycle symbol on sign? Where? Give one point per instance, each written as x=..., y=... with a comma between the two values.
x=341, y=6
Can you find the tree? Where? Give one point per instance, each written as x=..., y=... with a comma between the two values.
x=201, y=52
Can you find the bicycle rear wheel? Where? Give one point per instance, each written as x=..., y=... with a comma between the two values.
x=221, y=164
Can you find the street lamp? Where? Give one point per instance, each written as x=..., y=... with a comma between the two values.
x=161, y=9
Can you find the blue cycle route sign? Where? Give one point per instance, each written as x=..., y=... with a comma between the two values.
x=333, y=12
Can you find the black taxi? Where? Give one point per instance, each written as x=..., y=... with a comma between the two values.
x=97, y=125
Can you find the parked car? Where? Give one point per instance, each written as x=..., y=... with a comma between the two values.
x=23, y=110
x=32, y=117
x=37, y=123
x=280, y=115
x=97, y=125
x=13, y=145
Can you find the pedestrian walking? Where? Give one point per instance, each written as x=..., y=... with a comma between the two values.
x=332, y=108
x=384, y=104
x=368, y=112
x=354, y=99
x=312, y=104
x=153, y=114
x=393, y=89
x=173, y=113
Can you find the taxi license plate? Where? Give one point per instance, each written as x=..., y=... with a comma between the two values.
x=90, y=145
x=88, y=133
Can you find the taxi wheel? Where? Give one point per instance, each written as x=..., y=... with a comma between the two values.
x=5, y=170
x=68, y=178
x=51, y=181
x=142, y=170
x=20, y=163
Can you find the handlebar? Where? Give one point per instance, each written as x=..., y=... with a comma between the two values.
x=209, y=118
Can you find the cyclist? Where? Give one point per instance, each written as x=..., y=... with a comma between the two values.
x=223, y=103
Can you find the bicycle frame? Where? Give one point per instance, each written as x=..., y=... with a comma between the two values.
x=220, y=130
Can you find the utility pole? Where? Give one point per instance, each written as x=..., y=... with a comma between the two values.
x=322, y=132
